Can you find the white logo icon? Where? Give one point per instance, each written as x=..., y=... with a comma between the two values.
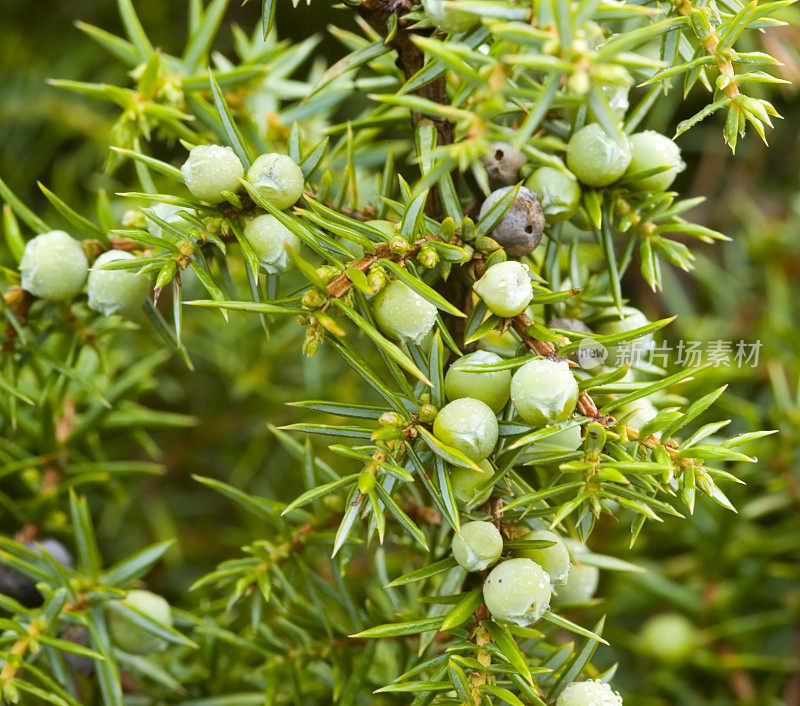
x=591, y=354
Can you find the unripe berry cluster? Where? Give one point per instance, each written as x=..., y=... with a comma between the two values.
x=518, y=589
x=214, y=173
x=54, y=268
x=599, y=159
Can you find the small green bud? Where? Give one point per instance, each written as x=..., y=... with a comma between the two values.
x=427, y=413
x=578, y=47
x=278, y=179
x=428, y=257
x=377, y=279
x=233, y=199
x=366, y=482
x=550, y=47
x=312, y=299
x=484, y=243
x=579, y=83
x=328, y=273
x=398, y=245
x=166, y=274
x=311, y=342
x=448, y=229
x=391, y=419
x=626, y=221
x=468, y=229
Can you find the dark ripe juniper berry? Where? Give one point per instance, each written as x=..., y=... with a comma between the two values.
x=22, y=588
x=80, y=664
x=520, y=229
x=503, y=164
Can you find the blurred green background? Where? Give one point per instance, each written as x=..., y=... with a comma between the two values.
x=736, y=576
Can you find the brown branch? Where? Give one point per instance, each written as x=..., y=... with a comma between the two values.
x=342, y=284
x=410, y=58
x=711, y=45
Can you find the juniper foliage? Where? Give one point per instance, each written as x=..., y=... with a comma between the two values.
x=346, y=591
